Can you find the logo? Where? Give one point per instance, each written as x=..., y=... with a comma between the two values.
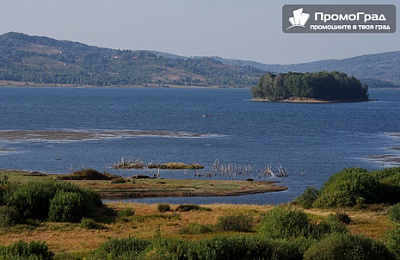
x=339, y=18
x=299, y=18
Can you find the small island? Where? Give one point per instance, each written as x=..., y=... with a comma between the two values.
x=310, y=87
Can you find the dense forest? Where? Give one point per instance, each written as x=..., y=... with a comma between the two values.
x=324, y=85
x=42, y=60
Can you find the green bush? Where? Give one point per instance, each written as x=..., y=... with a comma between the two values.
x=307, y=198
x=248, y=247
x=394, y=213
x=4, y=189
x=235, y=247
x=24, y=250
x=190, y=207
x=163, y=207
x=196, y=228
x=392, y=241
x=328, y=226
x=32, y=200
x=349, y=187
x=166, y=249
x=126, y=212
x=285, y=222
x=88, y=223
x=237, y=222
x=347, y=246
x=124, y=248
x=341, y=217
x=66, y=207
x=8, y=216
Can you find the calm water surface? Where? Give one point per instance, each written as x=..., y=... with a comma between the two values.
x=57, y=130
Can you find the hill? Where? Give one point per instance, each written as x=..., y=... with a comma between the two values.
x=42, y=60
x=376, y=70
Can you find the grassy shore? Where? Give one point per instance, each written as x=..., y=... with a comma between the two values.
x=150, y=187
x=73, y=241
x=70, y=240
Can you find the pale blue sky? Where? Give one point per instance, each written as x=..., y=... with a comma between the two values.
x=236, y=29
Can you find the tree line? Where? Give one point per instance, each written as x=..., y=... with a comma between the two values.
x=321, y=85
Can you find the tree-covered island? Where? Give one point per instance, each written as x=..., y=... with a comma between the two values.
x=320, y=86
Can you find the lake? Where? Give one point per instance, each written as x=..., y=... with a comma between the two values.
x=58, y=130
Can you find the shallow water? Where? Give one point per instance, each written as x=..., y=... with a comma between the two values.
x=58, y=130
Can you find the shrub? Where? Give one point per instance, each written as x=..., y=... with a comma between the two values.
x=341, y=217
x=66, y=207
x=88, y=223
x=347, y=246
x=283, y=222
x=163, y=207
x=124, y=248
x=394, y=213
x=24, y=250
x=307, y=198
x=190, y=207
x=237, y=222
x=4, y=189
x=8, y=216
x=166, y=249
x=126, y=212
x=392, y=241
x=235, y=247
x=328, y=226
x=347, y=188
x=248, y=247
x=196, y=228
x=32, y=200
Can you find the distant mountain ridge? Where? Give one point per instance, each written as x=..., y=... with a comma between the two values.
x=378, y=70
x=43, y=60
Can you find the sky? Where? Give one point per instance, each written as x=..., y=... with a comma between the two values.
x=233, y=29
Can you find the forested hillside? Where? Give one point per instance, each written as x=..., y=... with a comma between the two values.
x=43, y=60
x=376, y=70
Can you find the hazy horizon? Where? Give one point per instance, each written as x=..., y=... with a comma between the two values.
x=245, y=30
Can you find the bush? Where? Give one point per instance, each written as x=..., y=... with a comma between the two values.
x=283, y=222
x=347, y=188
x=392, y=241
x=88, y=223
x=394, y=213
x=341, y=217
x=166, y=249
x=328, y=226
x=66, y=207
x=196, y=228
x=248, y=247
x=238, y=222
x=190, y=207
x=126, y=212
x=124, y=248
x=307, y=198
x=347, y=246
x=163, y=207
x=235, y=247
x=24, y=250
x=9, y=216
x=32, y=200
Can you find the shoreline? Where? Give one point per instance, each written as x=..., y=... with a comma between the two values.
x=152, y=188
x=308, y=100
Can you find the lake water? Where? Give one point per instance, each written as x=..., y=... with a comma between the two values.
x=57, y=130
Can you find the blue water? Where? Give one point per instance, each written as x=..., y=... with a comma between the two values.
x=312, y=141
